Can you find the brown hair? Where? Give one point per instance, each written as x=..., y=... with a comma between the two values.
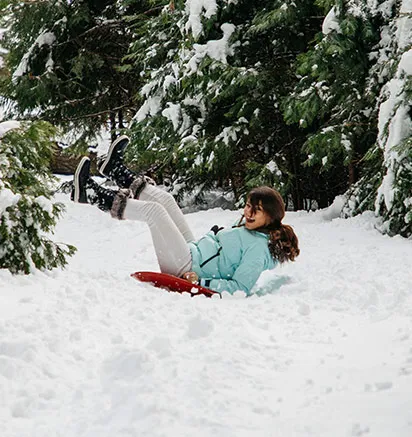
x=283, y=242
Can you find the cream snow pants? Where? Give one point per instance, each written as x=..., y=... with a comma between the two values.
x=168, y=227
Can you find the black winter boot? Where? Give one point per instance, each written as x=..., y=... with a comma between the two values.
x=112, y=167
x=100, y=196
x=81, y=176
x=120, y=174
x=86, y=190
x=125, y=178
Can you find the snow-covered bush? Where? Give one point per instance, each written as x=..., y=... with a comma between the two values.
x=215, y=72
x=386, y=185
x=63, y=59
x=354, y=98
x=27, y=214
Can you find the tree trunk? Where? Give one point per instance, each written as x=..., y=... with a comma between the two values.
x=297, y=192
x=353, y=177
x=63, y=163
x=323, y=200
x=120, y=117
x=113, y=126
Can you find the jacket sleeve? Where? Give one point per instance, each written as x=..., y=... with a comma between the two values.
x=243, y=279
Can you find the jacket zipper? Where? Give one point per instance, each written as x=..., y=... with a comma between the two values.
x=210, y=259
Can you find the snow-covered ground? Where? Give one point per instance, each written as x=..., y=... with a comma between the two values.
x=326, y=352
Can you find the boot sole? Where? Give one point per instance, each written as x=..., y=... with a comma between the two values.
x=76, y=178
x=102, y=168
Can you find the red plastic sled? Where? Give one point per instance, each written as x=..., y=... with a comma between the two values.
x=173, y=283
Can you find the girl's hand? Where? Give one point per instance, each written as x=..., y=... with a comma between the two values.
x=191, y=277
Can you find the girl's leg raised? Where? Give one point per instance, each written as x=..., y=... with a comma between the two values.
x=172, y=250
x=155, y=194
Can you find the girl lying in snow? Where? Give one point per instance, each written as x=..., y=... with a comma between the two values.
x=224, y=259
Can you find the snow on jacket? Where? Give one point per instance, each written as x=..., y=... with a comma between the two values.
x=232, y=259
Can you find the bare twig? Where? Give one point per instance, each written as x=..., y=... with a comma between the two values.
x=108, y=111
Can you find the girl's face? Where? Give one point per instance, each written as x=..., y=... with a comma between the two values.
x=255, y=217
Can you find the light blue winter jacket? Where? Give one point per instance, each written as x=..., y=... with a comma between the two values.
x=231, y=260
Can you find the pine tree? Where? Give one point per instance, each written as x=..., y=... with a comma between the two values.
x=352, y=99
x=27, y=214
x=335, y=99
x=215, y=76
x=64, y=59
x=394, y=195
